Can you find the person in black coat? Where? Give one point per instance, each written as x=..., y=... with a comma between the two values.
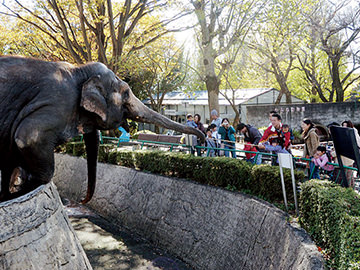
x=252, y=134
x=249, y=132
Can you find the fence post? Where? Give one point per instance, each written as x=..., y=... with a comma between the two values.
x=283, y=184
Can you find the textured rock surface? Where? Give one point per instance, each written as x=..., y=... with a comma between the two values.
x=36, y=234
x=207, y=227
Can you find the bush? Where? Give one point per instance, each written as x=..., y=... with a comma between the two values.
x=331, y=215
x=266, y=182
x=262, y=180
x=213, y=171
x=76, y=149
x=104, y=153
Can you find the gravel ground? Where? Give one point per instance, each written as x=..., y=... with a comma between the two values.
x=109, y=247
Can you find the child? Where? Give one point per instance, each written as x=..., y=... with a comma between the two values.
x=321, y=158
x=216, y=136
x=190, y=121
x=250, y=157
x=210, y=142
x=285, y=130
x=275, y=148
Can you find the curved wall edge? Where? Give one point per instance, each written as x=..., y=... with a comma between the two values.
x=207, y=227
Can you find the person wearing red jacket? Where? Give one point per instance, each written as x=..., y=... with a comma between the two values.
x=275, y=131
x=250, y=157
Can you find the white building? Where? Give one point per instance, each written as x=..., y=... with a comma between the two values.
x=178, y=104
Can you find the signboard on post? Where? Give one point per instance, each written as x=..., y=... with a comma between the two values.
x=286, y=161
x=345, y=145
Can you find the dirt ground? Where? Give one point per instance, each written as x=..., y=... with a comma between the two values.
x=109, y=247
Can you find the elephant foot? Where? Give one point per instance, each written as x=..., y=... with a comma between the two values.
x=20, y=183
x=17, y=180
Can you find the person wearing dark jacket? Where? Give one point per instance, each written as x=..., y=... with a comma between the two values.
x=200, y=126
x=197, y=120
x=252, y=134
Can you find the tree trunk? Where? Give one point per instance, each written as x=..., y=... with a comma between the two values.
x=284, y=90
x=236, y=119
x=212, y=86
x=336, y=83
x=281, y=80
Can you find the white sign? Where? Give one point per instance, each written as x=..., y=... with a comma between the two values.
x=286, y=161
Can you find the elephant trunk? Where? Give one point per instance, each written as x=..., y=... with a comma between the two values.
x=138, y=112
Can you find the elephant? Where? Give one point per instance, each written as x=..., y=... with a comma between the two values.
x=44, y=104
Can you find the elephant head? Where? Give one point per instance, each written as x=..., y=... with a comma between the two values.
x=112, y=101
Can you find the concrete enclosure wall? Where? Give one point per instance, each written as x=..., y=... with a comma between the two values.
x=293, y=114
x=35, y=233
x=207, y=227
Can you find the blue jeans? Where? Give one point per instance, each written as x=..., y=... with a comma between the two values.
x=258, y=159
x=229, y=145
x=315, y=171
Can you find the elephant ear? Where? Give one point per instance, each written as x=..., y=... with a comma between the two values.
x=92, y=99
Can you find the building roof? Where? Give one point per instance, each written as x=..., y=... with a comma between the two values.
x=201, y=97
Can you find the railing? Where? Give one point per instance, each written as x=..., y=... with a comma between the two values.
x=172, y=146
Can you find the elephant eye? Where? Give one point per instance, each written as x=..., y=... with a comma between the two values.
x=126, y=94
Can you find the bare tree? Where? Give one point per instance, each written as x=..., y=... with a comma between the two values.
x=314, y=65
x=223, y=27
x=279, y=63
x=274, y=41
x=108, y=28
x=230, y=96
x=338, y=28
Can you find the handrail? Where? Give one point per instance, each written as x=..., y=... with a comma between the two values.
x=143, y=142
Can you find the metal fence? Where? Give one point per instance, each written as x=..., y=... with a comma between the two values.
x=268, y=158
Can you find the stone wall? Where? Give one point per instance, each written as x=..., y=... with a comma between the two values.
x=36, y=234
x=292, y=114
x=207, y=227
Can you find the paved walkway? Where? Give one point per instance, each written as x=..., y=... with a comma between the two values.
x=110, y=247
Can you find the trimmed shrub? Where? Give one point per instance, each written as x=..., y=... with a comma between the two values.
x=266, y=182
x=104, y=153
x=331, y=215
x=76, y=149
x=124, y=158
x=261, y=180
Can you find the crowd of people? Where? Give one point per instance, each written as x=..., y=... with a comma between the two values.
x=277, y=138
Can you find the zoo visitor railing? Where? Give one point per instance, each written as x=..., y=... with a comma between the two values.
x=172, y=146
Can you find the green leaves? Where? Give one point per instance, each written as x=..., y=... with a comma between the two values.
x=331, y=215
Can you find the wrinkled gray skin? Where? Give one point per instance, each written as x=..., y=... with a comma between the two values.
x=44, y=104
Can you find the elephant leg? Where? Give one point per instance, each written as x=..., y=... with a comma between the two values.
x=37, y=152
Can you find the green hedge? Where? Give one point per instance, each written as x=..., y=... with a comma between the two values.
x=261, y=180
x=266, y=182
x=331, y=215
